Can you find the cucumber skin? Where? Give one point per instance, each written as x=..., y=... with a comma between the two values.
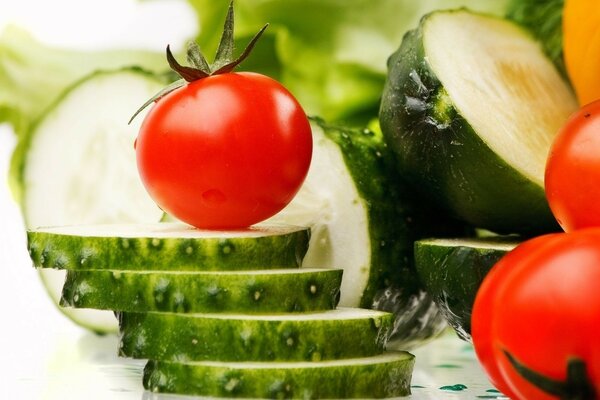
x=435, y=147
x=397, y=217
x=207, y=293
x=453, y=275
x=386, y=380
x=73, y=252
x=177, y=337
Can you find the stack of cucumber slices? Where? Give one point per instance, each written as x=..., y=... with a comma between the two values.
x=226, y=313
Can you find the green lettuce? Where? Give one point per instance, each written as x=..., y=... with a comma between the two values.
x=330, y=53
x=32, y=75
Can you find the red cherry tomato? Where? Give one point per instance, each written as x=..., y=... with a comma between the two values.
x=536, y=318
x=573, y=171
x=226, y=151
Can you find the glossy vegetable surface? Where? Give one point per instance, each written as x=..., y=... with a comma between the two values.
x=535, y=319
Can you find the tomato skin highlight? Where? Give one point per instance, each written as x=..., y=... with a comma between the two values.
x=541, y=304
x=572, y=179
x=226, y=151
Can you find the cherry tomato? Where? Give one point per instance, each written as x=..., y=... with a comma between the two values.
x=536, y=318
x=226, y=151
x=573, y=171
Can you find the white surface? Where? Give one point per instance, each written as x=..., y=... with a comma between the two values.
x=43, y=355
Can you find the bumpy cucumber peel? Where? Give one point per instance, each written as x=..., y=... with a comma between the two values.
x=327, y=335
x=384, y=376
x=223, y=62
x=269, y=248
x=268, y=291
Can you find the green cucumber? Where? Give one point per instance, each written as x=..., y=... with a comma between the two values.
x=167, y=247
x=76, y=165
x=452, y=271
x=267, y=291
x=471, y=106
x=384, y=376
x=340, y=333
x=364, y=219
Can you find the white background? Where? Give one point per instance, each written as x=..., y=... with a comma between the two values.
x=42, y=354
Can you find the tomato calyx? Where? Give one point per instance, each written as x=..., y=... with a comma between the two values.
x=200, y=68
x=577, y=386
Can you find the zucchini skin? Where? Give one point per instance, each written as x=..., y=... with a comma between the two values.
x=440, y=154
x=317, y=290
x=397, y=217
x=380, y=380
x=204, y=337
x=453, y=274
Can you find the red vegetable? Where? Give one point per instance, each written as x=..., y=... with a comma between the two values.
x=536, y=318
x=225, y=149
x=573, y=171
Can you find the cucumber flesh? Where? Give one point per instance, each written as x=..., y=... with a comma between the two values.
x=167, y=247
x=384, y=376
x=452, y=271
x=77, y=165
x=335, y=334
x=267, y=291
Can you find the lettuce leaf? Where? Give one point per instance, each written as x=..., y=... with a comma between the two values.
x=32, y=75
x=330, y=53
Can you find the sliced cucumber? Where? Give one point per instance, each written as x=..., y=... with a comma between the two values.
x=364, y=220
x=167, y=247
x=268, y=291
x=471, y=106
x=335, y=334
x=452, y=271
x=77, y=165
x=384, y=376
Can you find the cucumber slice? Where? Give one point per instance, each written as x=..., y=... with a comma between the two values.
x=384, y=376
x=364, y=220
x=452, y=271
x=335, y=334
x=268, y=291
x=167, y=247
x=77, y=165
x=471, y=106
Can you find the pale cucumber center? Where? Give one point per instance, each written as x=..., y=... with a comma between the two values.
x=501, y=82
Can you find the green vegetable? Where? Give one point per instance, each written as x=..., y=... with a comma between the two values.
x=384, y=376
x=327, y=335
x=452, y=271
x=471, y=106
x=267, y=291
x=364, y=219
x=167, y=247
x=331, y=54
x=544, y=19
x=33, y=75
x=76, y=165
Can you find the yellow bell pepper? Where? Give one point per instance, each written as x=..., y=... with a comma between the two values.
x=581, y=46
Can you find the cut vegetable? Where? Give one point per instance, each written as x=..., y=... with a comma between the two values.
x=452, y=271
x=77, y=165
x=340, y=333
x=384, y=376
x=268, y=291
x=471, y=106
x=167, y=247
x=364, y=220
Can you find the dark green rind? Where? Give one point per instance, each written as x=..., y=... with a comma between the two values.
x=453, y=274
x=199, y=337
x=50, y=250
x=397, y=217
x=284, y=381
x=440, y=154
x=544, y=19
x=267, y=292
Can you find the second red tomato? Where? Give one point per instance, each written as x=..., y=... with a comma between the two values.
x=226, y=151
